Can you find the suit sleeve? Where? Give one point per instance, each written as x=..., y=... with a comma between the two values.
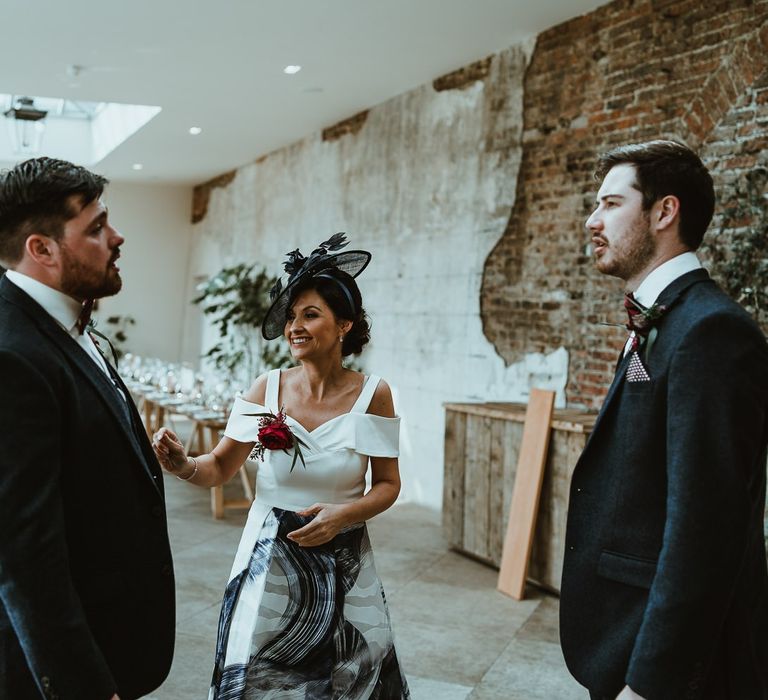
x=36, y=588
x=716, y=432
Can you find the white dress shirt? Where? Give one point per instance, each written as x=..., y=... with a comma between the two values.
x=659, y=279
x=64, y=310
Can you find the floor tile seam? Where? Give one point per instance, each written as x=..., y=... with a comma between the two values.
x=405, y=580
x=527, y=619
x=204, y=588
x=216, y=603
x=197, y=541
x=206, y=605
x=199, y=637
x=192, y=636
x=417, y=576
x=413, y=678
x=514, y=640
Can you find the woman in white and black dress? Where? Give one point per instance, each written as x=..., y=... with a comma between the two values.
x=304, y=613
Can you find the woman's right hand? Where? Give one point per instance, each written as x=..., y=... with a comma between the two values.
x=169, y=451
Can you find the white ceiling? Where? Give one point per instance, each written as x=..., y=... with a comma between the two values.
x=218, y=65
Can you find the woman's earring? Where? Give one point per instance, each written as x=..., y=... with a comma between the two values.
x=341, y=338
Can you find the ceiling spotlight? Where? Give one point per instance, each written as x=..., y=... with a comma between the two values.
x=138, y=166
x=291, y=70
x=195, y=130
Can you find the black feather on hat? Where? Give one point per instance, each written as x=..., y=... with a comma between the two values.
x=299, y=268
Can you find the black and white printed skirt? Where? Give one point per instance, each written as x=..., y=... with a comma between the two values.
x=304, y=623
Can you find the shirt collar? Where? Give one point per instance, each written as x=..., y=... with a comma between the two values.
x=64, y=309
x=660, y=278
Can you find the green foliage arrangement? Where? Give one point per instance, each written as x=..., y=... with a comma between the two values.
x=237, y=299
x=739, y=252
x=118, y=332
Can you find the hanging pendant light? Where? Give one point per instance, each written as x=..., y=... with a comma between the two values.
x=27, y=125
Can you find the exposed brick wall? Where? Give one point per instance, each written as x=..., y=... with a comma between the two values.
x=352, y=125
x=629, y=71
x=464, y=77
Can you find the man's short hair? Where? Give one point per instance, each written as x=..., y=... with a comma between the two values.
x=36, y=197
x=669, y=168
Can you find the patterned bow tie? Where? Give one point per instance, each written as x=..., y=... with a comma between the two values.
x=642, y=319
x=85, y=315
x=635, y=311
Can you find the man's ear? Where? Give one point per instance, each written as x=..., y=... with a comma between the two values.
x=666, y=212
x=42, y=249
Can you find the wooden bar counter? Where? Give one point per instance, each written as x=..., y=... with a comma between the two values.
x=482, y=442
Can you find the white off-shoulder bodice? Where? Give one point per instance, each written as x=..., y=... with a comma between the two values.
x=336, y=452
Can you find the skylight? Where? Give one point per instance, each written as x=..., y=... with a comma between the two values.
x=78, y=131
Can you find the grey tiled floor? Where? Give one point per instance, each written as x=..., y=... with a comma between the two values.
x=457, y=637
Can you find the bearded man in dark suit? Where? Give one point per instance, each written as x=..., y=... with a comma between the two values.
x=665, y=589
x=86, y=581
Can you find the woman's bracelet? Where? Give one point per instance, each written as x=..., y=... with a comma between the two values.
x=194, y=471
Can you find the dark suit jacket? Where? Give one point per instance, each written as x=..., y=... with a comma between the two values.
x=664, y=581
x=86, y=581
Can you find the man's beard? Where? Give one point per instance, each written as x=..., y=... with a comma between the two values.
x=82, y=282
x=633, y=254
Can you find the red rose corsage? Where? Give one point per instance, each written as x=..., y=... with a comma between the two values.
x=274, y=434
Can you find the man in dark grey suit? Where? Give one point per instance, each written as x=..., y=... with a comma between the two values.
x=86, y=581
x=665, y=589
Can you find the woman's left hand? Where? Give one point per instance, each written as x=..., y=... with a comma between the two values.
x=329, y=520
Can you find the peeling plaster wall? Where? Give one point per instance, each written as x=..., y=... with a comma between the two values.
x=427, y=184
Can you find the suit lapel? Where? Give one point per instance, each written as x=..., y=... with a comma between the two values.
x=618, y=378
x=670, y=295
x=84, y=363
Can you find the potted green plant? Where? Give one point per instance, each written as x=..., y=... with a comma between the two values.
x=237, y=299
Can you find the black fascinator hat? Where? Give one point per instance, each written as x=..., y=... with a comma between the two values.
x=324, y=259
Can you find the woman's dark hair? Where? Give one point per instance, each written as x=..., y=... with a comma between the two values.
x=669, y=167
x=331, y=284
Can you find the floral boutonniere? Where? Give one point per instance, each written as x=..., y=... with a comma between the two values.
x=95, y=334
x=274, y=434
x=643, y=321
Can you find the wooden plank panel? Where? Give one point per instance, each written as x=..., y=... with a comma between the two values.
x=547, y=527
x=477, y=485
x=496, y=485
x=525, y=499
x=566, y=443
x=512, y=435
x=569, y=419
x=453, y=488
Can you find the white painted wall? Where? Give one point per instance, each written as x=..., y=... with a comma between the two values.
x=427, y=186
x=155, y=220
